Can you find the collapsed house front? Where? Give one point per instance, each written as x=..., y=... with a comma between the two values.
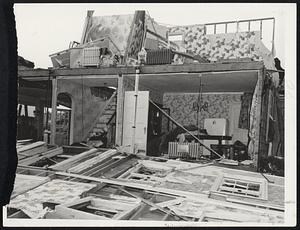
x=147, y=94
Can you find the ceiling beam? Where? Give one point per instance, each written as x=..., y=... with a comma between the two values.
x=147, y=69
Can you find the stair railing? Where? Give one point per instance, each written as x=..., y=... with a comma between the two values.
x=100, y=114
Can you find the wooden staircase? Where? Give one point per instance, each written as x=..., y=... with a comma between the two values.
x=104, y=119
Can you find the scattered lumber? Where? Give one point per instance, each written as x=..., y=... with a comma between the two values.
x=66, y=164
x=190, y=195
x=32, y=149
x=35, y=158
x=93, y=161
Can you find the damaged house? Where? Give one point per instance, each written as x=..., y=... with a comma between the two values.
x=148, y=122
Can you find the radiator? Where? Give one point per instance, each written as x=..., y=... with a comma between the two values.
x=91, y=56
x=176, y=149
x=159, y=57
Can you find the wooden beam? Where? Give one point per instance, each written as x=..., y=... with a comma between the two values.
x=53, y=111
x=147, y=69
x=33, y=159
x=86, y=25
x=120, y=110
x=66, y=164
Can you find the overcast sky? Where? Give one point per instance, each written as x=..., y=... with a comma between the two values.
x=44, y=29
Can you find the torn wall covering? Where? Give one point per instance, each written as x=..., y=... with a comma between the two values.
x=117, y=27
x=215, y=47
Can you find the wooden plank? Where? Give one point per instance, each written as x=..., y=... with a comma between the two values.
x=91, y=162
x=98, y=166
x=258, y=117
x=63, y=165
x=108, y=167
x=168, y=203
x=53, y=111
x=138, y=212
x=23, y=141
x=120, y=104
x=33, y=152
x=86, y=25
x=50, y=153
x=70, y=213
x=30, y=146
x=125, y=214
x=153, y=205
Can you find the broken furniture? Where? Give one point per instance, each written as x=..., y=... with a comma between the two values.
x=88, y=54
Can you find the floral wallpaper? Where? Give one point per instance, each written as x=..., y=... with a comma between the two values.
x=183, y=109
x=219, y=46
x=137, y=35
x=215, y=47
x=117, y=27
x=56, y=191
x=254, y=122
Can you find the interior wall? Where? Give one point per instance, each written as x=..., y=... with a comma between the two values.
x=220, y=105
x=86, y=106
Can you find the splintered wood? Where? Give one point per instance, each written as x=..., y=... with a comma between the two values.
x=106, y=184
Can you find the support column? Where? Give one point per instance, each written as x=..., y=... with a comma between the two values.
x=136, y=91
x=258, y=117
x=120, y=110
x=40, y=119
x=53, y=111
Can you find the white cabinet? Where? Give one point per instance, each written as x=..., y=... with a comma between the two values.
x=214, y=126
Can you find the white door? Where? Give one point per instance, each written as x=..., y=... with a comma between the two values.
x=141, y=120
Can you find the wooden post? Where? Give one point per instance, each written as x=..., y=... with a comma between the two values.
x=120, y=110
x=260, y=29
x=53, y=111
x=40, y=119
x=260, y=79
x=86, y=26
x=136, y=90
x=273, y=36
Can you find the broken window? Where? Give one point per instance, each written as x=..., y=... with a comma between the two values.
x=242, y=187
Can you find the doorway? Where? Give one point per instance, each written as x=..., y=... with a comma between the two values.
x=64, y=118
